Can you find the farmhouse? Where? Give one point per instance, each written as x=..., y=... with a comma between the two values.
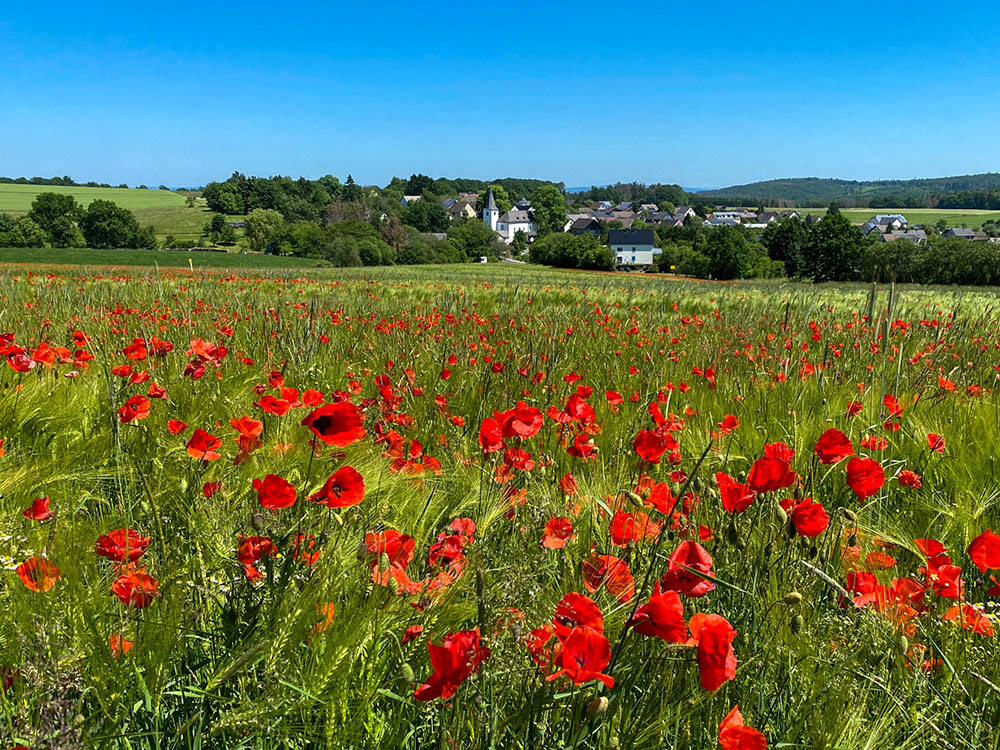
x=585, y=225
x=632, y=247
x=884, y=223
x=966, y=234
x=917, y=236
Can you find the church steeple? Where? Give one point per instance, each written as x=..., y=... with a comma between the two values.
x=491, y=213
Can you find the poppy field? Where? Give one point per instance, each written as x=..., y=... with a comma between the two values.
x=495, y=508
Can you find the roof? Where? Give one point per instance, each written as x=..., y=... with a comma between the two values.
x=631, y=237
x=411, y=198
x=583, y=224
x=960, y=232
x=624, y=206
x=514, y=216
x=913, y=235
x=491, y=203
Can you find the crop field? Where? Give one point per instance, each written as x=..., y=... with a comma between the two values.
x=491, y=507
x=167, y=211
x=971, y=218
x=167, y=258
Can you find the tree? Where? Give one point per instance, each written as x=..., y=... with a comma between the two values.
x=351, y=192
x=426, y=215
x=500, y=196
x=107, y=225
x=731, y=254
x=834, y=250
x=57, y=214
x=519, y=244
x=473, y=238
x=569, y=251
x=262, y=226
x=550, y=209
x=393, y=233
x=783, y=240
x=418, y=184
x=24, y=233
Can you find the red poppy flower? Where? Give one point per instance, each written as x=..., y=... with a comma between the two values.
x=175, y=426
x=661, y=617
x=274, y=492
x=121, y=545
x=118, y=645
x=892, y=406
x=930, y=547
x=577, y=611
x=336, y=424
x=38, y=510
x=735, y=497
x=582, y=447
x=769, y=474
x=629, y=527
x=810, y=518
x=735, y=735
x=935, y=442
x=568, y=485
x=522, y=421
x=136, y=590
x=411, y=633
x=833, y=446
x=650, y=446
x=689, y=559
x=134, y=409
x=865, y=476
x=343, y=489
x=252, y=549
x=558, y=531
x=984, y=551
x=729, y=423
x=490, y=435
x=716, y=659
x=210, y=489
x=458, y=656
x=279, y=407
x=970, y=618
x=38, y=574
x=854, y=408
x=611, y=572
x=907, y=478
x=203, y=446
x=583, y=656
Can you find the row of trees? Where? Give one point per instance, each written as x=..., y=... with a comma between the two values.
x=57, y=220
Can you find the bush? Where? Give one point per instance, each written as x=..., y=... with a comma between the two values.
x=568, y=251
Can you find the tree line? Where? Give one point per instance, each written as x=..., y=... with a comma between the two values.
x=56, y=219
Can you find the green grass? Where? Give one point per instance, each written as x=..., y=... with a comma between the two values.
x=221, y=661
x=165, y=210
x=165, y=258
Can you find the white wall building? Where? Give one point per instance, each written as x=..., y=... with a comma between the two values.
x=633, y=247
x=510, y=223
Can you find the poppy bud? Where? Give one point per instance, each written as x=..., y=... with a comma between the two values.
x=799, y=493
x=383, y=563
x=613, y=743
x=852, y=540
x=824, y=402
x=904, y=644
x=406, y=673
x=796, y=624
x=597, y=707
x=184, y=486
x=393, y=586
x=258, y=521
x=850, y=515
x=782, y=515
x=813, y=551
x=633, y=497
x=675, y=489
x=362, y=552
x=792, y=598
x=768, y=550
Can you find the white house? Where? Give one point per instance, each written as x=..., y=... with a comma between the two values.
x=632, y=247
x=408, y=199
x=509, y=224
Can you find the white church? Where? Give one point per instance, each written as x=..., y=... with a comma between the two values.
x=514, y=221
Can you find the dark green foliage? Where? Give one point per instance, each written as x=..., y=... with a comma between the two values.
x=420, y=250
x=57, y=214
x=427, y=215
x=473, y=238
x=105, y=224
x=731, y=254
x=834, y=250
x=569, y=251
x=550, y=209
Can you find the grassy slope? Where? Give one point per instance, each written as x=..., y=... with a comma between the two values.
x=167, y=211
x=179, y=258
x=954, y=217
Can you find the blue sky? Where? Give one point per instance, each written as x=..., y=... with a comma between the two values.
x=702, y=95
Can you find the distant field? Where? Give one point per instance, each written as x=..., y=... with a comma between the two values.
x=955, y=217
x=166, y=211
x=87, y=257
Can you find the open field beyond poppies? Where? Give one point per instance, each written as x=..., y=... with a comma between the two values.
x=490, y=507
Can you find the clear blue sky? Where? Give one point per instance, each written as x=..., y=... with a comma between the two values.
x=701, y=94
